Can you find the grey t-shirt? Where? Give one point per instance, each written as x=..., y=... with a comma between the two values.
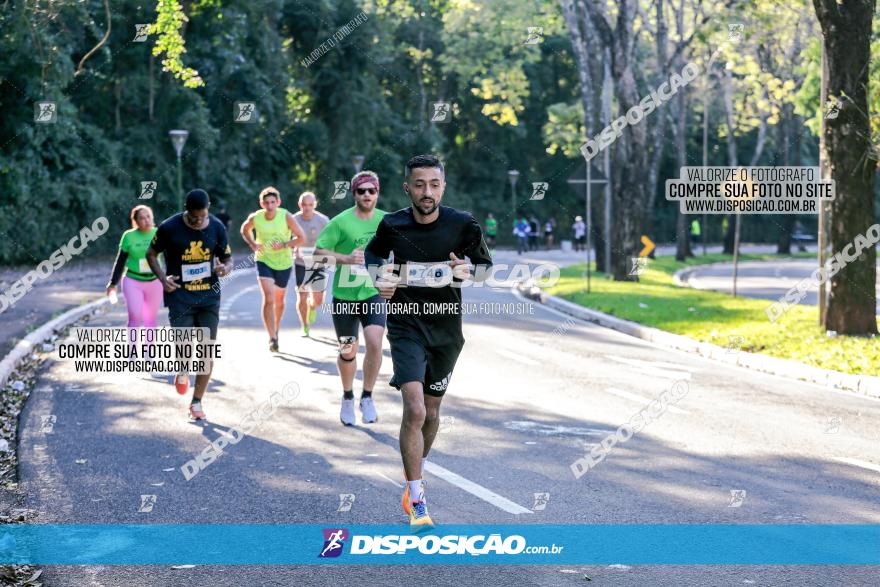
x=312, y=228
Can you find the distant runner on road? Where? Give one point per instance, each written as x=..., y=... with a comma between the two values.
x=430, y=243
x=355, y=301
x=276, y=233
x=311, y=278
x=491, y=229
x=580, y=234
x=197, y=252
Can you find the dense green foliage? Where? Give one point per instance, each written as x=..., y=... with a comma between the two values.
x=369, y=94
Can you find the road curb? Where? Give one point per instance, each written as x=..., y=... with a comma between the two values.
x=862, y=384
x=682, y=277
x=26, y=345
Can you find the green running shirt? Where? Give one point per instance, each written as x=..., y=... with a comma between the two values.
x=135, y=244
x=343, y=234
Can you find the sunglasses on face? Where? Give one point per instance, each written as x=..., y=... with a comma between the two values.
x=362, y=191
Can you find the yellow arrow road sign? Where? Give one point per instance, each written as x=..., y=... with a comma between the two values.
x=649, y=246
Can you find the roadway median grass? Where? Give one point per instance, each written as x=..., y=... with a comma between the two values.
x=719, y=318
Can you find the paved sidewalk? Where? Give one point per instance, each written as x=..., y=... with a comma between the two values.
x=768, y=280
x=564, y=258
x=76, y=283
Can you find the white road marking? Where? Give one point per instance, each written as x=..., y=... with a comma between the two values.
x=642, y=399
x=475, y=489
x=550, y=429
x=710, y=363
x=517, y=357
x=655, y=368
x=227, y=303
x=859, y=463
x=389, y=479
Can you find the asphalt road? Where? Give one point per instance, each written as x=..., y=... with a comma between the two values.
x=530, y=391
x=761, y=279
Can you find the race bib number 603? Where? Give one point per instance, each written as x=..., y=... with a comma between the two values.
x=194, y=271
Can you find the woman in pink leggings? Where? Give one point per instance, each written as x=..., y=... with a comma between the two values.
x=143, y=292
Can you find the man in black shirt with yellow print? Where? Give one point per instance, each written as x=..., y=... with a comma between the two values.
x=192, y=240
x=429, y=243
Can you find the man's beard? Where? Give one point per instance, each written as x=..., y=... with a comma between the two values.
x=422, y=212
x=364, y=208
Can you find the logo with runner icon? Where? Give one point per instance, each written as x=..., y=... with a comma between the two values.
x=334, y=541
x=148, y=190
x=340, y=188
x=539, y=190
x=148, y=502
x=441, y=112
x=45, y=112
x=245, y=112
x=534, y=35
x=346, y=500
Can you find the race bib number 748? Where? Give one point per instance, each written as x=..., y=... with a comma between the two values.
x=428, y=275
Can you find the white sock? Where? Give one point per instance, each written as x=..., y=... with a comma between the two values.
x=415, y=490
x=423, y=465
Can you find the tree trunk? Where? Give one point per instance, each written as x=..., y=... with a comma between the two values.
x=682, y=222
x=785, y=145
x=630, y=150
x=727, y=94
x=846, y=28
x=151, y=94
x=658, y=130
x=582, y=58
x=580, y=41
x=117, y=99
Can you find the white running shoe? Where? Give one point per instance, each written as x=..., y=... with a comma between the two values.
x=346, y=413
x=368, y=411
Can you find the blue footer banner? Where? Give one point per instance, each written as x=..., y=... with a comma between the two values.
x=710, y=544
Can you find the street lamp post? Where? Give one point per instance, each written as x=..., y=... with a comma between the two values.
x=513, y=175
x=358, y=162
x=178, y=140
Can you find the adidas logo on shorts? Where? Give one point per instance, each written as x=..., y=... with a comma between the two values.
x=442, y=385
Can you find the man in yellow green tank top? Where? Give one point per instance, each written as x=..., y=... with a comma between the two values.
x=271, y=233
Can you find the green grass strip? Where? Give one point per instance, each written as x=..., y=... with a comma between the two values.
x=719, y=318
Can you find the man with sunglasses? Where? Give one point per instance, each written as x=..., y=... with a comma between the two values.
x=355, y=300
x=429, y=243
x=197, y=252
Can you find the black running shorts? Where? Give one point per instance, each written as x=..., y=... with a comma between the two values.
x=348, y=314
x=281, y=277
x=414, y=360
x=186, y=316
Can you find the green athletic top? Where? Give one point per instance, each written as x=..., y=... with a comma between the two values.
x=269, y=231
x=343, y=234
x=135, y=243
x=491, y=227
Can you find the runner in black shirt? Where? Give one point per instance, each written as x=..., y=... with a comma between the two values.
x=429, y=243
x=192, y=241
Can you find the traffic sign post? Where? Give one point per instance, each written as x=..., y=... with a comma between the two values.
x=588, y=182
